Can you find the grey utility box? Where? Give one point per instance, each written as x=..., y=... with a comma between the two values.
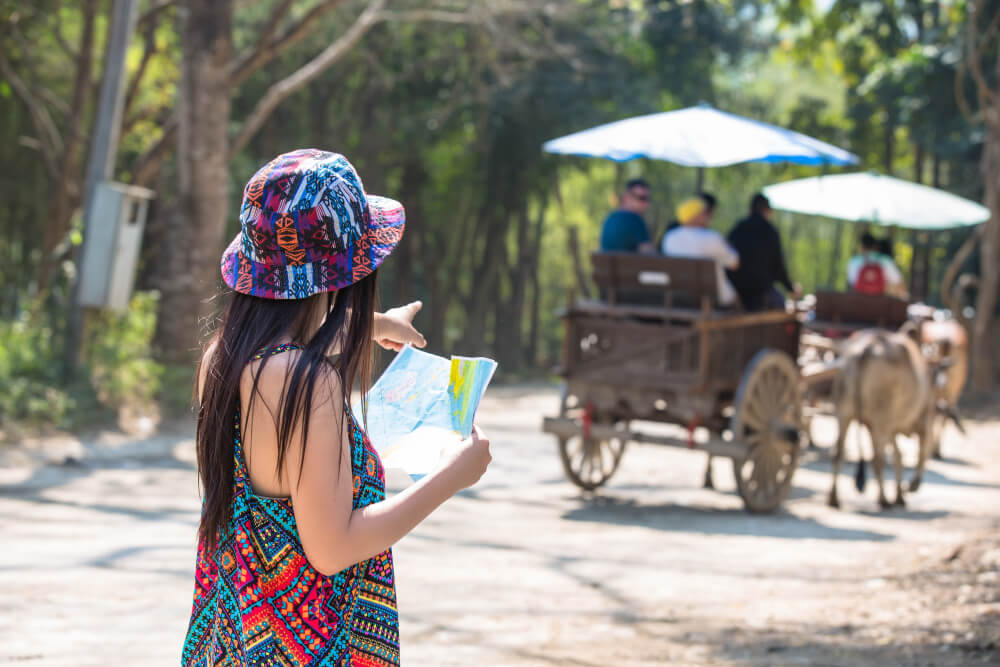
x=114, y=239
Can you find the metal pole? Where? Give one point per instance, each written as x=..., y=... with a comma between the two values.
x=104, y=148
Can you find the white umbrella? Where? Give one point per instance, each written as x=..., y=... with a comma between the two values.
x=875, y=198
x=699, y=136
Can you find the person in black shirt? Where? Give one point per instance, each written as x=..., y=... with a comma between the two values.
x=762, y=262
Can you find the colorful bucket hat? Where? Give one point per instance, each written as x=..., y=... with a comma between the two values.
x=307, y=226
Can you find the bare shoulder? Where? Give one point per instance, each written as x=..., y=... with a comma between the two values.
x=319, y=444
x=275, y=373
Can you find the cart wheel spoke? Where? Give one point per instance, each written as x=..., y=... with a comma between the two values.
x=606, y=455
x=576, y=452
x=588, y=462
x=752, y=418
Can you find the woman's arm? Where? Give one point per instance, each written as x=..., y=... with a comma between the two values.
x=334, y=535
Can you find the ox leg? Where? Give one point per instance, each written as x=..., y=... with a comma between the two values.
x=838, y=457
x=936, y=433
x=708, y=484
x=897, y=461
x=926, y=440
x=878, y=463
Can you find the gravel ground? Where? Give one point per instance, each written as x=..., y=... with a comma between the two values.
x=98, y=548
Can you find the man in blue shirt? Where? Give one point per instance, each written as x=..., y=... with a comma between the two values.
x=625, y=230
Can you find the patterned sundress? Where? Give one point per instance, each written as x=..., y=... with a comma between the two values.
x=257, y=600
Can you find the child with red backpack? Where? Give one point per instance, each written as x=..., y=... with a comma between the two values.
x=872, y=272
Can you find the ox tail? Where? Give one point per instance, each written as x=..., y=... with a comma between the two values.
x=861, y=471
x=951, y=413
x=860, y=476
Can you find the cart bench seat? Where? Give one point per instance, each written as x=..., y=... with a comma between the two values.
x=842, y=313
x=682, y=282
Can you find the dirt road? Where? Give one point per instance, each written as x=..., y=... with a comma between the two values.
x=97, y=553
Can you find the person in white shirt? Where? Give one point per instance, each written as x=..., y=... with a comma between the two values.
x=693, y=238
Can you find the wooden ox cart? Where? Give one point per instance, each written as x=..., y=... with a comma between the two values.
x=656, y=349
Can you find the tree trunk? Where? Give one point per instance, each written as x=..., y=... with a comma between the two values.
x=500, y=350
x=410, y=188
x=950, y=296
x=429, y=253
x=573, y=245
x=153, y=273
x=531, y=349
x=816, y=236
x=196, y=241
x=508, y=341
x=835, y=267
x=530, y=353
x=477, y=302
x=920, y=265
x=66, y=195
x=983, y=343
x=890, y=143
x=437, y=310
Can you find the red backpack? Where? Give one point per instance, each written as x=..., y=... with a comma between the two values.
x=871, y=278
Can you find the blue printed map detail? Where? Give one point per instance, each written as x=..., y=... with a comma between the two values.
x=422, y=403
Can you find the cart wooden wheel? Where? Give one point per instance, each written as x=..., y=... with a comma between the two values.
x=767, y=418
x=589, y=462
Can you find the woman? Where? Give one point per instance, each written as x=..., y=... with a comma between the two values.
x=294, y=564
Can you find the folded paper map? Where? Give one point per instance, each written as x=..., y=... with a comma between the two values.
x=422, y=403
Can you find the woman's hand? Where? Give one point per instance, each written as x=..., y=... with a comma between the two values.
x=465, y=462
x=394, y=328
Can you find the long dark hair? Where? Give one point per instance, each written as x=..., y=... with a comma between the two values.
x=250, y=323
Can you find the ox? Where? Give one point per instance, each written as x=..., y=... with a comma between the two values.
x=886, y=385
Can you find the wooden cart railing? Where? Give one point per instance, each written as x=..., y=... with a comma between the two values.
x=686, y=343
x=843, y=313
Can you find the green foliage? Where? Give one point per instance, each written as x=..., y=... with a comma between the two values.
x=32, y=392
x=119, y=354
x=449, y=117
x=119, y=371
x=174, y=398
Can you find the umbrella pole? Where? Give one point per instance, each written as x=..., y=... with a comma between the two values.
x=920, y=265
x=699, y=184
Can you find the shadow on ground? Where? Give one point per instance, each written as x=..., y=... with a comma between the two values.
x=819, y=461
x=692, y=519
x=149, y=455
x=845, y=645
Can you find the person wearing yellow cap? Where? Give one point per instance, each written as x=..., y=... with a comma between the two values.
x=692, y=237
x=691, y=210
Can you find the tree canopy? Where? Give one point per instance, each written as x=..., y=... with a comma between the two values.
x=445, y=106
